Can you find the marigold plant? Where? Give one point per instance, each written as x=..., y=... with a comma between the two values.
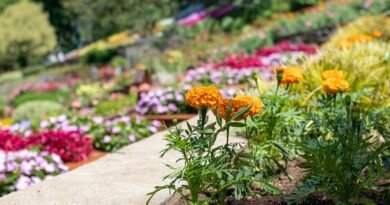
x=203, y=96
x=334, y=85
x=332, y=74
x=237, y=103
x=289, y=75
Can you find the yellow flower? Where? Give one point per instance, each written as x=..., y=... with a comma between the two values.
x=292, y=75
x=239, y=102
x=203, y=96
x=335, y=85
x=332, y=74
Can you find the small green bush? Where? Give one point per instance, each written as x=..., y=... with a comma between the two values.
x=57, y=96
x=35, y=110
x=100, y=55
x=115, y=107
x=10, y=76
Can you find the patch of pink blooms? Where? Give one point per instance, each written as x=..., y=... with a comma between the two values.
x=241, y=61
x=71, y=146
x=285, y=47
x=11, y=142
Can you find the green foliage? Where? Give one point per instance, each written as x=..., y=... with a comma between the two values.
x=343, y=154
x=251, y=44
x=10, y=76
x=275, y=131
x=36, y=110
x=96, y=19
x=210, y=169
x=365, y=66
x=119, y=61
x=55, y=96
x=5, y=3
x=332, y=15
x=116, y=107
x=100, y=56
x=26, y=35
x=62, y=21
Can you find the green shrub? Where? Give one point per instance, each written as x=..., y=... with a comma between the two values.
x=99, y=56
x=10, y=76
x=118, y=61
x=36, y=110
x=33, y=70
x=365, y=65
x=343, y=153
x=115, y=107
x=56, y=96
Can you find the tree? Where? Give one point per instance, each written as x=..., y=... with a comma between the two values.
x=97, y=19
x=25, y=35
x=62, y=20
x=5, y=3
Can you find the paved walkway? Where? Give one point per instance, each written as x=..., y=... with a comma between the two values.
x=119, y=178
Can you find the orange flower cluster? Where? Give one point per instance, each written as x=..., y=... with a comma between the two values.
x=289, y=75
x=332, y=74
x=358, y=38
x=239, y=102
x=210, y=97
x=334, y=82
x=203, y=96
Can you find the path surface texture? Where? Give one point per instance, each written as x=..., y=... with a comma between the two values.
x=121, y=178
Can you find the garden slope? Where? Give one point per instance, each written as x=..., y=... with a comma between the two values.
x=124, y=177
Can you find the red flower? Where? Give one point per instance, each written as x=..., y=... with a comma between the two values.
x=11, y=142
x=70, y=146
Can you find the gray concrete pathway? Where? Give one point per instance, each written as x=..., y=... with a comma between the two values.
x=119, y=178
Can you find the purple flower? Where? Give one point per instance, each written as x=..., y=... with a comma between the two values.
x=132, y=138
x=26, y=168
x=97, y=120
x=156, y=123
x=153, y=129
x=172, y=107
x=116, y=130
x=2, y=176
x=107, y=139
x=23, y=182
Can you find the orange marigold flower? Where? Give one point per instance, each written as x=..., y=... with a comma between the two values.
x=376, y=33
x=335, y=85
x=332, y=74
x=292, y=75
x=203, y=96
x=344, y=44
x=239, y=102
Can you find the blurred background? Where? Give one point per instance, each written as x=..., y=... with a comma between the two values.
x=88, y=54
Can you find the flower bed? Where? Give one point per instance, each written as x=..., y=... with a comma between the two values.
x=23, y=168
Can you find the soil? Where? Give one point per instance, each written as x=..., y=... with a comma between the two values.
x=287, y=187
x=95, y=155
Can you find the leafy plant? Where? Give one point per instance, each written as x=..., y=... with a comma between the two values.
x=56, y=96
x=343, y=154
x=36, y=110
x=210, y=169
x=115, y=106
